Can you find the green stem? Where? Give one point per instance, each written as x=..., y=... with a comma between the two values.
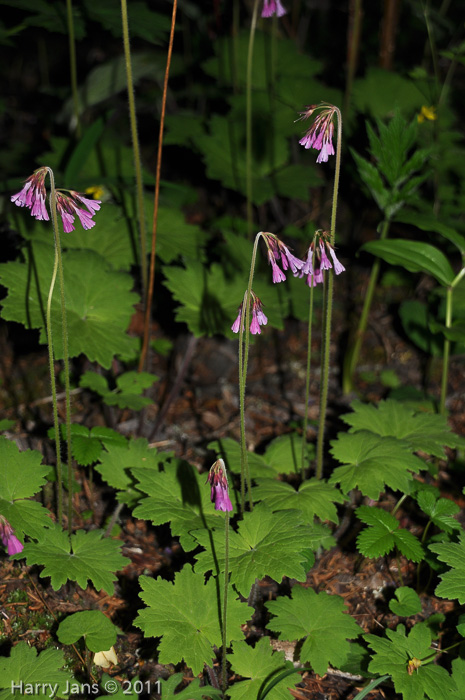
x=446, y=353
x=399, y=503
x=307, y=382
x=72, y=63
x=352, y=355
x=248, y=120
x=329, y=310
x=225, y=602
x=135, y=146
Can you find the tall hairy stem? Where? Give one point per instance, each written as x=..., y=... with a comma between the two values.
x=248, y=120
x=153, y=252
x=135, y=147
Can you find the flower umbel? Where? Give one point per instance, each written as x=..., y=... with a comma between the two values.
x=318, y=261
x=320, y=135
x=273, y=7
x=219, y=486
x=278, y=252
x=9, y=539
x=33, y=195
x=258, y=317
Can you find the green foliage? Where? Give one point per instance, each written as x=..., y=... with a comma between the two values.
x=374, y=93
x=99, y=302
x=383, y=534
x=26, y=666
x=186, y=615
x=86, y=445
x=98, y=631
x=373, y=462
x=313, y=497
x=266, y=544
x=416, y=317
x=262, y=667
x=128, y=391
x=441, y=511
x=23, y=475
x=192, y=692
x=392, y=656
x=82, y=557
x=144, y=22
x=453, y=582
x=178, y=495
x=320, y=620
x=408, y=602
x=415, y=256
x=425, y=432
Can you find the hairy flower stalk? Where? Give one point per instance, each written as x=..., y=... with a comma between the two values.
x=68, y=204
x=218, y=480
x=9, y=539
x=258, y=317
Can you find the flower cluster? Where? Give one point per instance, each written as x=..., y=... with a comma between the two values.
x=33, y=195
x=318, y=261
x=320, y=134
x=10, y=541
x=219, y=486
x=273, y=7
x=258, y=317
x=279, y=253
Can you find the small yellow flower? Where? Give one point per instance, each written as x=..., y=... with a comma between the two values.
x=96, y=191
x=413, y=665
x=105, y=658
x=427, y=113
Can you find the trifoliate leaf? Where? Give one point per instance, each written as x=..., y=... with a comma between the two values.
x=178, y=495
x=99, y=302
x=98, y=631
x=372, y=462
x=86, y=445
x=441, y=511
x=118, y=458
x=407, y=603
x=22, y=476
x=453, y=581
x=85, y=556
x=262, y=666
x=319, y=618
x=266, y=544
x=24, y=668
x=427, y=432
x=314, y=497
x=383, y=534
x=187, y=615
x=404, y=658
x=128, y=391
x=192, y=692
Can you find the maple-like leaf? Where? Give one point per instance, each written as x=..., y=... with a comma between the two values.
x=453, y=581
x=314, y=497
x=319, y=619
x=25, y=668
x=82, y=557
x=187, y=614
x=384, y=533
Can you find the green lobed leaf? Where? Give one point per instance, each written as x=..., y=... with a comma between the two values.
x=383, y=534
x=99, y=302
x=98, y=631
x=260, y=665
x=372, y=462
x=26, y=666
x=192, y=692
x=408, y=602
x=441, y=511
x=266, y=544
x=313, y=497
x=119, y=457
x=422, y=431
x=319, y=619
x=85, y=556
x=458, y=674
x=186, y=614
x=415, y=256
x=453, y=582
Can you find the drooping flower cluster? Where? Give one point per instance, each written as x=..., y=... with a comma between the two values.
x=69, y=203
x=318, y=261
x=9, y=539
x=273, y=7
x=258, y=317
x=219, y=486
x=320, y=135
x=279, y=253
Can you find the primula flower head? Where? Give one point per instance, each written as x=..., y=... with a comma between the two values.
x=33, y=195
x=273, y=7
x=279, y=253
x=258, y=317
x=320, y=135
x=219, y=486
x=318, y=261
x=9, y=539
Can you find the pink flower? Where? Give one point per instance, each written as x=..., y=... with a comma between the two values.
x=9, y=539
x=338, y=267
x=219, y=494
x=278, y=252
x=325, y=264
x=33, y=195
x=273, y=7
x=68, y=206
x=258, y=317
x=320, y=134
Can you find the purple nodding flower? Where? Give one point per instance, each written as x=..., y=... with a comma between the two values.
x=318, y=276
x=273, y=7
x=294, y=263
x=33, y=194
x=9, y=539
x=258, y=317
x=278, y=274
x=236, y=326
x=320, y=135
x=308, y=267
x=325, y=263
x=218, y=480
x=338, y=267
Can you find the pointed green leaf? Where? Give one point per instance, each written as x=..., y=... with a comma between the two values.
x=428, y=222
x=441, y=511
x=383, y=534
x=415, y=256
x=453, y=581
x=314, y=497
x=192, y=692
x=25, y=666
